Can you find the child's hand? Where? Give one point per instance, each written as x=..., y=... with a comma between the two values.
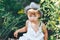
x=16, y=34
x=24, y=29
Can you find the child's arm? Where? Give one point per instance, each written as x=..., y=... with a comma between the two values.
x=24, y=29
x=45, y=32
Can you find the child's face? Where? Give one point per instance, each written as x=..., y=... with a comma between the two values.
x=33, y=15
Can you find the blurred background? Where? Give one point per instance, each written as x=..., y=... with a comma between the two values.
x=12, y=17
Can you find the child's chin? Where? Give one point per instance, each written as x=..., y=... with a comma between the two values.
x=32, y=20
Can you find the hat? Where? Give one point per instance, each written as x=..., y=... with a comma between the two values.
x=33, y=5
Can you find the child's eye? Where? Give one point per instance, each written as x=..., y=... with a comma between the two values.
x=33, y=16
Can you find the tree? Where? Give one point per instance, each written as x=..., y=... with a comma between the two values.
x=51, y=15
